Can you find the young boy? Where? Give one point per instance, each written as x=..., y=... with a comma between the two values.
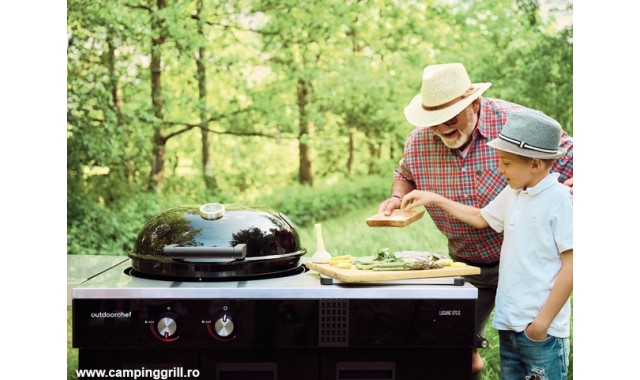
x=535, y=213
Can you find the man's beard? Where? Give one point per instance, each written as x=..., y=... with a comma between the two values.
x=455, y=142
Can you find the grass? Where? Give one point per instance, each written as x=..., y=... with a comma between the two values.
x=349, y=234
x=72, y=353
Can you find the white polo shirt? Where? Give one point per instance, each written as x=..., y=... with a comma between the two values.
x=538, y=226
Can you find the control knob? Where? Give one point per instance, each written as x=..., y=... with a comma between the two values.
x=224, y=326
x=167, y=326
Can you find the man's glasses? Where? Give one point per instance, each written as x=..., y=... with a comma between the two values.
x=452, y=121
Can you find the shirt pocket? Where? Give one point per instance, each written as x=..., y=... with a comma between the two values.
x=489, y=183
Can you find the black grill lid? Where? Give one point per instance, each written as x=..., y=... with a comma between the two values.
x=216, y=241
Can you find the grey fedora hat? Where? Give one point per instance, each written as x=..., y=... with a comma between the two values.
x=530, y=133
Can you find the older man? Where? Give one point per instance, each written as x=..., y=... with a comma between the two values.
x=447, y=154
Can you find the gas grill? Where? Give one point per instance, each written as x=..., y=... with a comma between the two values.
x=290, y=327
x=286, y=326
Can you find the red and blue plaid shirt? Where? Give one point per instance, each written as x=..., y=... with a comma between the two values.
x=473, y=180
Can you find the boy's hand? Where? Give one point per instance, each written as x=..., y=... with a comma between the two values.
x=416, y=198
x=536, y=331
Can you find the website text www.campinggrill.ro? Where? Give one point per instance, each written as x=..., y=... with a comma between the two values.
x=138, y=373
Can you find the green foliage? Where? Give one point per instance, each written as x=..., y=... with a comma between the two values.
x=72, y=353
x=532, y=60
x=350, y=235
x=110, y=226
x=110, y=230
x=545, y=83
x=306, y=205
x=360, y=60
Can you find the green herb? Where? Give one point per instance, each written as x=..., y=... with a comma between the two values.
x=387, y=260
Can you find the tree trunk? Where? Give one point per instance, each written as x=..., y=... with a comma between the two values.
x=127, y=168
x=159, y=142
x=352, y=151
x=374, y=157
x=355, y=48
x=207, y=164
x=116, y=94
x=305, y=172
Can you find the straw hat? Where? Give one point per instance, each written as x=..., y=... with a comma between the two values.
x=530, y=133
x=446, y=91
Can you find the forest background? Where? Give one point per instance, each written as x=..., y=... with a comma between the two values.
x=296, y=105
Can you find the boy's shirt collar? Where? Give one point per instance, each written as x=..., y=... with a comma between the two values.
x=548, y=181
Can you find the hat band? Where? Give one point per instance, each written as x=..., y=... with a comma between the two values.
x=524, y=145
x=466, y=94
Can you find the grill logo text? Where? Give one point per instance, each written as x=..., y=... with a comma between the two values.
x=117, y=314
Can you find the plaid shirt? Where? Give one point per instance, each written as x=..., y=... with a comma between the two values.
x=473, y=180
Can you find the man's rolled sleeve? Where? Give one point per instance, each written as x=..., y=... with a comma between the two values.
x=402, y=172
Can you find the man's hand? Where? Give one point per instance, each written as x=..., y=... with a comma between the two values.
x=399, y=188
x=569, y=182
x=389, y=205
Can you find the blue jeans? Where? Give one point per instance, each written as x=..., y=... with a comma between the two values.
x=522, y=358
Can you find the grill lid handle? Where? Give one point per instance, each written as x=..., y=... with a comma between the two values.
x=239, y=252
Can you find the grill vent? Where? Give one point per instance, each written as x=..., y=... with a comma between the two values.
x=246, y=371
x=366, y=370
x=334, y=323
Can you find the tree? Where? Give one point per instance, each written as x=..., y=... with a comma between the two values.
x=103, y=143
x=154, y=86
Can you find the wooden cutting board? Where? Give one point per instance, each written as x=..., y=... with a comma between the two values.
x=357, y=275
x=398, y=218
